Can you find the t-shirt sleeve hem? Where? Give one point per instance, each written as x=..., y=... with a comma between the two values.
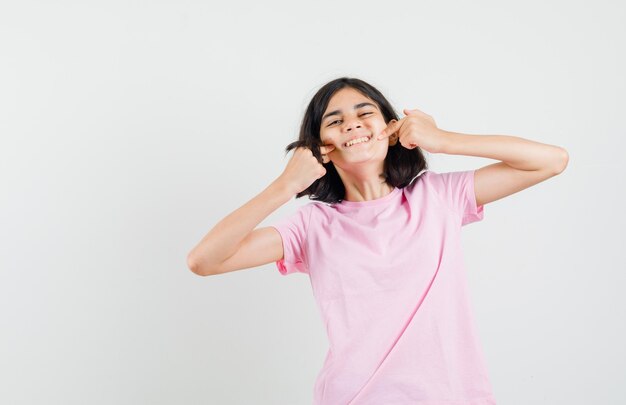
x=474, y=212
x=287, y=265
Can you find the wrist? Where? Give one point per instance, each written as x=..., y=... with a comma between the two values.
x=446, y=141
x=283, y=188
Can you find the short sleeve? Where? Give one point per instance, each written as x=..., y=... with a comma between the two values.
x=293, y=230
x=457, y=190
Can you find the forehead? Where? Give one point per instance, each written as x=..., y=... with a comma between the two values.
x=346, y=100
x=344, y=96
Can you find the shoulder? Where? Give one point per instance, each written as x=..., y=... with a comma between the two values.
x=419, y=181
x=429, y=183
x=306, y=212
x=444, y=181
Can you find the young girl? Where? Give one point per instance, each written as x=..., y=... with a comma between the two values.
x=381, y=244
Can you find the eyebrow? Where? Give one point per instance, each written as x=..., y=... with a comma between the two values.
x=356, y=106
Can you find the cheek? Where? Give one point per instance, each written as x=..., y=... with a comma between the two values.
x=326, y=139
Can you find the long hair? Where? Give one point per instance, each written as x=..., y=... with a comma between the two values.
x=401, y=164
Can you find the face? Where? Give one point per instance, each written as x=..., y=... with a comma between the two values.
x=350, y=114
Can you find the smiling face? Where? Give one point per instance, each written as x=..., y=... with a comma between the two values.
x=349, y=115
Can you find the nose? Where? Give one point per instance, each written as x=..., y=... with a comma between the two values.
x=356, y=123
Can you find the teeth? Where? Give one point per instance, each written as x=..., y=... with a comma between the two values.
x=360, y=140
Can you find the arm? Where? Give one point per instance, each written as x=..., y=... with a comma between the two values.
x=225, y=238
x=516, y=152
x=524, y=163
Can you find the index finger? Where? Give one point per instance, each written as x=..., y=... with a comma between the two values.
x=327, y=148
x=391, y=128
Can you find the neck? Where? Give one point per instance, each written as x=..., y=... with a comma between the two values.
x=363, y=190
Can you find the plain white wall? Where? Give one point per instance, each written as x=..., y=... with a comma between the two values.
x=129, y=129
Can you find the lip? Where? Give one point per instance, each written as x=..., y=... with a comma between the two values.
x=369, y=138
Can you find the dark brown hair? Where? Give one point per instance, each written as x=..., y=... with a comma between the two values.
x=401, y=164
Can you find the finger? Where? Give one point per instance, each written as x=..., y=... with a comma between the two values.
x=391, y=128
x=324, y=149
x=413, y=111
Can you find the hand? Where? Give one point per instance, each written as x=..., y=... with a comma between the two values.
x=416, y=129
x=303, y=169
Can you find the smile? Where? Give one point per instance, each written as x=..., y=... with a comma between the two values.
x=358, y=141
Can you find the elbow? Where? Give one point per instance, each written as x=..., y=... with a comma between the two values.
x=195, y=268
x=563, y=160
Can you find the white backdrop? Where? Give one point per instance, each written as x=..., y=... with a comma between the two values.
x=129, y=129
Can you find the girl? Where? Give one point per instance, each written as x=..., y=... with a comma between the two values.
x=381, y=244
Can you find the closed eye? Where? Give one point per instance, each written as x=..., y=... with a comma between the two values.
x=359, y=116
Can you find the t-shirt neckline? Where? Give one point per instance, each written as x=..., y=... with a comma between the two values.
x=369, y=203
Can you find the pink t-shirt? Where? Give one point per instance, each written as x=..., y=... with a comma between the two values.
x=389, y=279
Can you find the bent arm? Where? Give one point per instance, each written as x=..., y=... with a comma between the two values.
x=224, y=239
